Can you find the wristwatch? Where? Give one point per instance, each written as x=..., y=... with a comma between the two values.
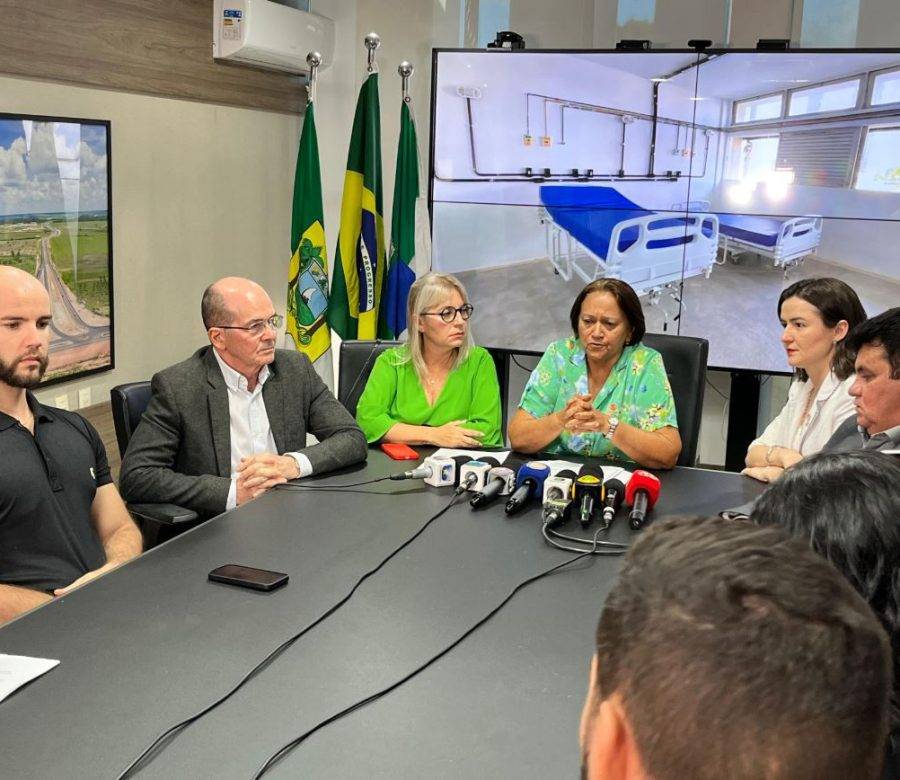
x=613, y=424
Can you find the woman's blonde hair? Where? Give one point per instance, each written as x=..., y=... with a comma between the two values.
x=423, y=295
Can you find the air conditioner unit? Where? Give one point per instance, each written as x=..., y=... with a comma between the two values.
x=269, y=35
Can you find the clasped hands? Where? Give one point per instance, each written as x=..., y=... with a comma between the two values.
x=258, y=473
x=580, y=416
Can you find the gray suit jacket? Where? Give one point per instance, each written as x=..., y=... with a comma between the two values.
x=180, y=452
x=847, y=437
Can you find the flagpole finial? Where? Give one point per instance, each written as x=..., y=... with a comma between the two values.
x=405, y=69
x=372, y=41
x=313, y=60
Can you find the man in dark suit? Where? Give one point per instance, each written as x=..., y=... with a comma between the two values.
x=231, y=421
x=876, y=391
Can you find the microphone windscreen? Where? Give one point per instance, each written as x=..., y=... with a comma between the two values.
x=492, y=462
x=460, y=461
x=538, y=472
x=615, y=484
x=566, y=474
x=588, y=469
x=642, y=480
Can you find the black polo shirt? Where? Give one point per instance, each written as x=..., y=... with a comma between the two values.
x=47, y=485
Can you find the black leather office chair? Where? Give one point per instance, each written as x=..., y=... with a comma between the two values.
x=354, y=366
x=685, y=359
x=158, y=522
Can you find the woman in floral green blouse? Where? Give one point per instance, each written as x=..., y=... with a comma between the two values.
x=602, y=393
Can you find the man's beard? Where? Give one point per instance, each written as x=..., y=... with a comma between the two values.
x=9, y=376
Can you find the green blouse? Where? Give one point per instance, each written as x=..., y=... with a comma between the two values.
x=394, y=394
x=637, y=391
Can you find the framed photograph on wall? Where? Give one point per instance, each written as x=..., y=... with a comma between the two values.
x=56, y=223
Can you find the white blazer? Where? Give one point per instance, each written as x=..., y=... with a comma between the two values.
x=831, y=407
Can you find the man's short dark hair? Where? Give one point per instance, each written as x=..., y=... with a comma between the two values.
x=625, y=296
x=738, y=652
x=883, y=330
x=213, y=309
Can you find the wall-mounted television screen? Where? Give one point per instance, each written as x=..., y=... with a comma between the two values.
x=707, y=181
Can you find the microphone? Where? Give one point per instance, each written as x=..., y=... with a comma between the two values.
x=589, y=493
x=614, y=489
x=479, y=468
x=557, y=497
x=529, y=483
x=463, y=481
x=499, y=483
x=641, y=493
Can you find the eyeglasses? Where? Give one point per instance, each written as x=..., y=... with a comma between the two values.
x=256, y=328
x=448, y=313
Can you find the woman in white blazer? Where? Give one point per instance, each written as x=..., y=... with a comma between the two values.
x=816, y=315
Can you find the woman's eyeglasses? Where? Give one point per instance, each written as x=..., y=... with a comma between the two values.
x=448, y=313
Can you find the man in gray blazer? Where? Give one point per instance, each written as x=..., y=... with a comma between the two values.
x=231, y=421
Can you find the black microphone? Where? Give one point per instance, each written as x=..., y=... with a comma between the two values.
x=615, y=494
x=589, y=493
x=500, y=480
x=529, y=483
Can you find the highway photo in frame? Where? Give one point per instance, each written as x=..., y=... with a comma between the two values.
x=55, y=223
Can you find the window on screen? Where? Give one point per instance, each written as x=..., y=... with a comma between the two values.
x=838, y=96
x=886, y=88
x=879, y=166
x=757, y=109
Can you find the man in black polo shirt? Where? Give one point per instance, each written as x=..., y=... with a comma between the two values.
x=62, y=522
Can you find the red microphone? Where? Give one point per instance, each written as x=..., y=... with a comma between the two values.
x=641, y=493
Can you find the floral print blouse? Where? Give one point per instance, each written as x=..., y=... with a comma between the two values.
x=637, y=391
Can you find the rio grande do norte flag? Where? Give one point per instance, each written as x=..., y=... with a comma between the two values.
x=307, y=294
x=359, y=272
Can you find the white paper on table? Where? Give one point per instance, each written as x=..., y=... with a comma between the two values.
x=473, y=454
x=16, y=670
x=609, y=472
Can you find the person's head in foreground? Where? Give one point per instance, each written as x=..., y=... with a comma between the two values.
x=729, y=650
x=846, y=506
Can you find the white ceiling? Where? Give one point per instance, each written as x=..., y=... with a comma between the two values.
x=743, y=75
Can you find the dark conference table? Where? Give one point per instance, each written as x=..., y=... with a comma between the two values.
x=154, y=641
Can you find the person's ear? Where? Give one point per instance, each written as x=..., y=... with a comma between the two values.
x=841, y=330
x=216, y=338
x=611, y=751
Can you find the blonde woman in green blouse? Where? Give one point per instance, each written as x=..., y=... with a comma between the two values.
x=438, y=388
x=601, y=393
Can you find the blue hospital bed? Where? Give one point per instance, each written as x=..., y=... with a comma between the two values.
x=595, y=232
x=785, y=240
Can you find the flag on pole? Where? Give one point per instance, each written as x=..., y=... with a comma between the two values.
x=359, y=274
x=307, y=294
x=410, y=236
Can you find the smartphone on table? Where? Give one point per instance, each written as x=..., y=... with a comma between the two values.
x=248, y=577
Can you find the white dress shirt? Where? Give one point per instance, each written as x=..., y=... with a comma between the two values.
x=251, y=433
x=807, y=434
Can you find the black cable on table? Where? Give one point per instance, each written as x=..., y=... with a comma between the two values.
x=181, y=725
x=288, y=747
x=299, y=486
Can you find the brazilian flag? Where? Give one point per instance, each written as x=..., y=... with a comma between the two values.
x=307, y=295
x=359, y=273
x=407, y=213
